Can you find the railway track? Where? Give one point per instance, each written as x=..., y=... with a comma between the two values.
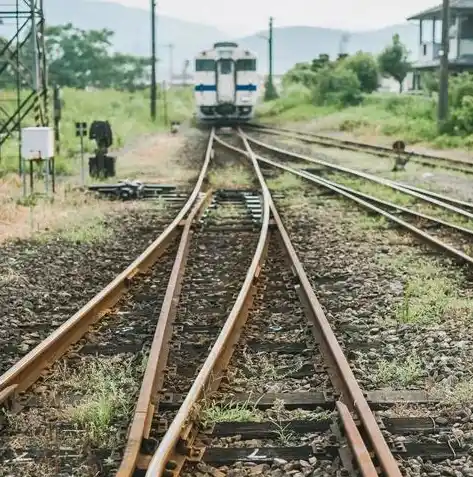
x=244, y=374
x=439, y=220
x=424, y=440
x=182, y=441
x=93, y=385
x=46, y=306
x=450, y=163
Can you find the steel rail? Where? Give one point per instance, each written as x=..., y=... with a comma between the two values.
x=29, y=368
x=345, y=381
x=364, y=175
x=375, y=149
x=153, y=377
x=436, y=195
x=386, y=203
x=445, y=198
x=355, y=441
x=353, y=195
x=178, y=436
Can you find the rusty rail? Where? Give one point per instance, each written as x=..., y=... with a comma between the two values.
x=355, y=196
x=28, y=369
x=179, y=435
x=177, y=443
x=153, y=378
x=374, y=149
x=342, y=375
x=364, y=175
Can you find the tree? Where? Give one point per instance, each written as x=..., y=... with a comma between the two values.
x=393, y=61
x=366, y=69
x=337, y=85
x=300, y=73
x=79, y=58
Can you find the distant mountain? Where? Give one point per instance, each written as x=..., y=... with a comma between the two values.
x=300, y=44
x=291, y=44
x=132, y=29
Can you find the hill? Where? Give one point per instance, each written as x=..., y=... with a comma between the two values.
x=292, y=44
x=299, y=44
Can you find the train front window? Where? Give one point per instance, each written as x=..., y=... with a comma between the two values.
x=225, y=66
x=246, y=65
x=204, y=65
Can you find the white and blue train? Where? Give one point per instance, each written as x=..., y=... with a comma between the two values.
x=225, y=85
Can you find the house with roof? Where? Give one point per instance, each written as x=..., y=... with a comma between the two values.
x=460, y=54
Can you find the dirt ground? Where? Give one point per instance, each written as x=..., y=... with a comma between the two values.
x=160, y=158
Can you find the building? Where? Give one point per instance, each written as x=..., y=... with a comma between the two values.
x=460, y=53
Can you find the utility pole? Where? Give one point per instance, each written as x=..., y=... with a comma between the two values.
x=171, y=63
x=153, y=60
x=443, y=86
x=270, y=92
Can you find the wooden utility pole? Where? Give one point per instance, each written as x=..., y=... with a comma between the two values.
x=443, y=84
x=270, y=92
x=153, y=60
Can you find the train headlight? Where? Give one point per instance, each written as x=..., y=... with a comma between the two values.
x=245, y=99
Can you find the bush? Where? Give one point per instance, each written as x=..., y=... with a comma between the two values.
x=366, y=69
x=338, y=86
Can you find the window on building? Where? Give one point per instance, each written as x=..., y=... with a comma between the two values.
x=204, y=65
x=246, y=65
x=466, y=27
x=225, y=66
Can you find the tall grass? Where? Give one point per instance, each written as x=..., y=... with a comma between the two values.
x=411, y=118
x=128, y=114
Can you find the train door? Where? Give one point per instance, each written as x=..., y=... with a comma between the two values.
x=226, y=81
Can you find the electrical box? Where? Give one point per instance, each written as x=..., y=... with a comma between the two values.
x=37, y=143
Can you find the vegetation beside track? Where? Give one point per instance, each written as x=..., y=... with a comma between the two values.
x=340, y=96
x=128, y=113
x=145, y=156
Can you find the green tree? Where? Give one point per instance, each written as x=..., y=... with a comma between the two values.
x=300, y=73
x=79, y=58
x=366, y=69
x=393, y=61
x=337, y=85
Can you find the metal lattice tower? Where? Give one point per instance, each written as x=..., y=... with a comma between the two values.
x=23, y=70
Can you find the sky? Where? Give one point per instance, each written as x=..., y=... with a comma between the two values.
x=248, y=16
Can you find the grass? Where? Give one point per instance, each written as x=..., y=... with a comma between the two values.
x=230, y=412
x=107, y=387
x=407, y=117
x=214, y=412
x=430, y=295
x=74, y=214
x=10, y=277
x=233, y=177
x=398, y=373
x=457, y=395
x=399, y=198
x=128, y=114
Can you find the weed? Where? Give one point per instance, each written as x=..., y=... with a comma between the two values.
x=230, y=412
x=107, y=387
x=11, y=277
x=456, y=395
x=286, y=183
x=230, y=178
x=398, y=373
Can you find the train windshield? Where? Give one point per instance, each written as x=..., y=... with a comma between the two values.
x=204, y=65
x=246, y=65
x=225, y=66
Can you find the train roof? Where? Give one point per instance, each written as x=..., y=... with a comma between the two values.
x=225, y=44
x=214, y=52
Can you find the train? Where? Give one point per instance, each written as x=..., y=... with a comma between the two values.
x=225, y=85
